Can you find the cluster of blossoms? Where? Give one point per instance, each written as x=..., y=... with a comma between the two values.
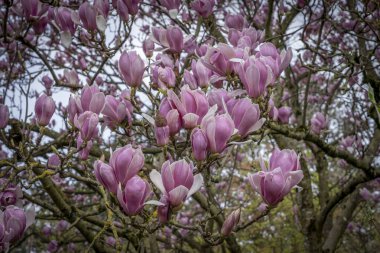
x=120, y=177
x=13, y=219
x=84, y=113
x=176, y=181
x=90, y=17
x=200, y=105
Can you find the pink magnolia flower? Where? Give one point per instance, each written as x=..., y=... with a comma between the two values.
x=92, y=99
x=236, y=21
x=62, y=17
x=164, y=77
x=174, y=37
x=275, y=182
x=199, y=144
x=84, y=152
x=47, y=82
x=148, y=48
x=11, y=195
x=171, y=38
x=163, y=209
x=4, y=115
x=87, y=123
x=230, y=223
x=133, y=196
x=255, y=76
x=87, y=14
x=189, y=79
x=53, y=162
x=203, y=7
x=201, y=74
x=174, y=122
x=44, y=109
x=218, y=59
x=318, y=123
x=176, y=181
x=133, y=6
x=106, y=176
x=218, y=130
x=115, y=112
x=245, y=115
x=273, y=111
x=13, y=223
x=161, y=130
x=33, y=9
x=131, y=68
x=192, y=106
x=121, y=9
x=172, y=6
x=284, y=114
x=268, y=53
x=246, y=38
x=216, y=97
x=126, y=163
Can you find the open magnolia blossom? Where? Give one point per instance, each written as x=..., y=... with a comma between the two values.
x=176, y=181
x=275, y=182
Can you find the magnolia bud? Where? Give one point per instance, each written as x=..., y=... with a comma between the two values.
x=87, y=15
x=47, y=82
x=203, y=7
x=235, y=21
x=175, y=39
x=44, y=109
x=161, y=131
x=199, y=144
x=148, y=47
x=87, y=123
x=131, y=68
x=126, y=163
x=230, y=223
x=284, y=114
x=133, y=196
x=106, y=176
x=4, y=116
x=173, y=121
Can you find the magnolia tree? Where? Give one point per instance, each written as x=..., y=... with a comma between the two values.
x=189, y=126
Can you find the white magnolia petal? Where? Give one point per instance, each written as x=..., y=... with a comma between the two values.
x=30, y=217
x=197, y=184
x=239, y=142
x=236, y=93
x=238, y=60
x=154, y=202
x=216, y=78
x=66, y=39
x=211, y=112
x=173, y=13
x=257, y=125
x=75, y=17
x=156, y=179
x=101, y=23
x=149, y=119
